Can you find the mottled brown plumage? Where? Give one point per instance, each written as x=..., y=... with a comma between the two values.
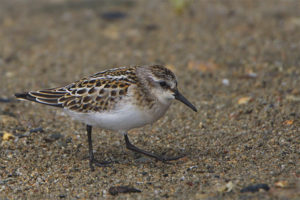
x=97, y=93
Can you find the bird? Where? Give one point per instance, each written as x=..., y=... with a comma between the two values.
x=117, y=99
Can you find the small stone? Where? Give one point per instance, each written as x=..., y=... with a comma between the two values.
x=144, y=173
x=56, y=136
x=122, y=189
x=7, y=136
x=53, y=137
x=192, y=167
x=69, y=140
x=227, y=187
x=282, y=184
x=143, y=160
x=201, y=125
x=288, y=122
x=244, y=100
x=255, y=188
x=62, y=196
x=113, y=15
x=35, y=130
x=225, y=82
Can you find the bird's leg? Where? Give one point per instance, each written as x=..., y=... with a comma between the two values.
x=91, y=153
x=138, y=150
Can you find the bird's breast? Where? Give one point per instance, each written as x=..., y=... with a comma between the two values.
x=122, y=118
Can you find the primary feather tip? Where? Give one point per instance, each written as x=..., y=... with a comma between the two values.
x=25, y=96
x=21, y=95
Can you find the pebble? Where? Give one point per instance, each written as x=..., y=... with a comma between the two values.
x=35, y=130
x=244, y=100
x=122, y=189
x=53, y=137
x=56, y=136
x=255, y=188
x=62, y=196
x=225, y=82
x=143, y=159
x=7, y=136
x=113, y=15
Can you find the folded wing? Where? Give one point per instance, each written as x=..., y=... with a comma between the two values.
x=86, y=95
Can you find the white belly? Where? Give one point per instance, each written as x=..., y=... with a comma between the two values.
x=123, y=119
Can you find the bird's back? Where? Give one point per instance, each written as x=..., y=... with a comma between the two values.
x=99, y=92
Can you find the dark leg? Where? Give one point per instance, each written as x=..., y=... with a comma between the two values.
x=91, y=153
x=134, y=148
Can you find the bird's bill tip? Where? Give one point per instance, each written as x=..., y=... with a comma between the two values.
x=181, y=98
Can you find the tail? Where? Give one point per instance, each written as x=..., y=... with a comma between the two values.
x=48, y=97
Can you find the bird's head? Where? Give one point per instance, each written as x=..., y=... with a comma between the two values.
x=162, y=84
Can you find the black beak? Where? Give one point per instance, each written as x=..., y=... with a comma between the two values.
x=181, y=98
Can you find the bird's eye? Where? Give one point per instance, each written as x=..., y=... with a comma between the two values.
x=163, y=84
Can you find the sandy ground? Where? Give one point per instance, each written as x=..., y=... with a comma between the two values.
x=237, y=61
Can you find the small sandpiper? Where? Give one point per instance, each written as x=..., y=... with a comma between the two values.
x=118, y=99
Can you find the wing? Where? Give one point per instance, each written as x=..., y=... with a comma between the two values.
x=97, y=93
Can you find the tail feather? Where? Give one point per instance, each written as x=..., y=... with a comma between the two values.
x=47, y=97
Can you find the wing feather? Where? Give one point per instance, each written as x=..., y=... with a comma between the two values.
x=48, y=97
x=97, y=93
